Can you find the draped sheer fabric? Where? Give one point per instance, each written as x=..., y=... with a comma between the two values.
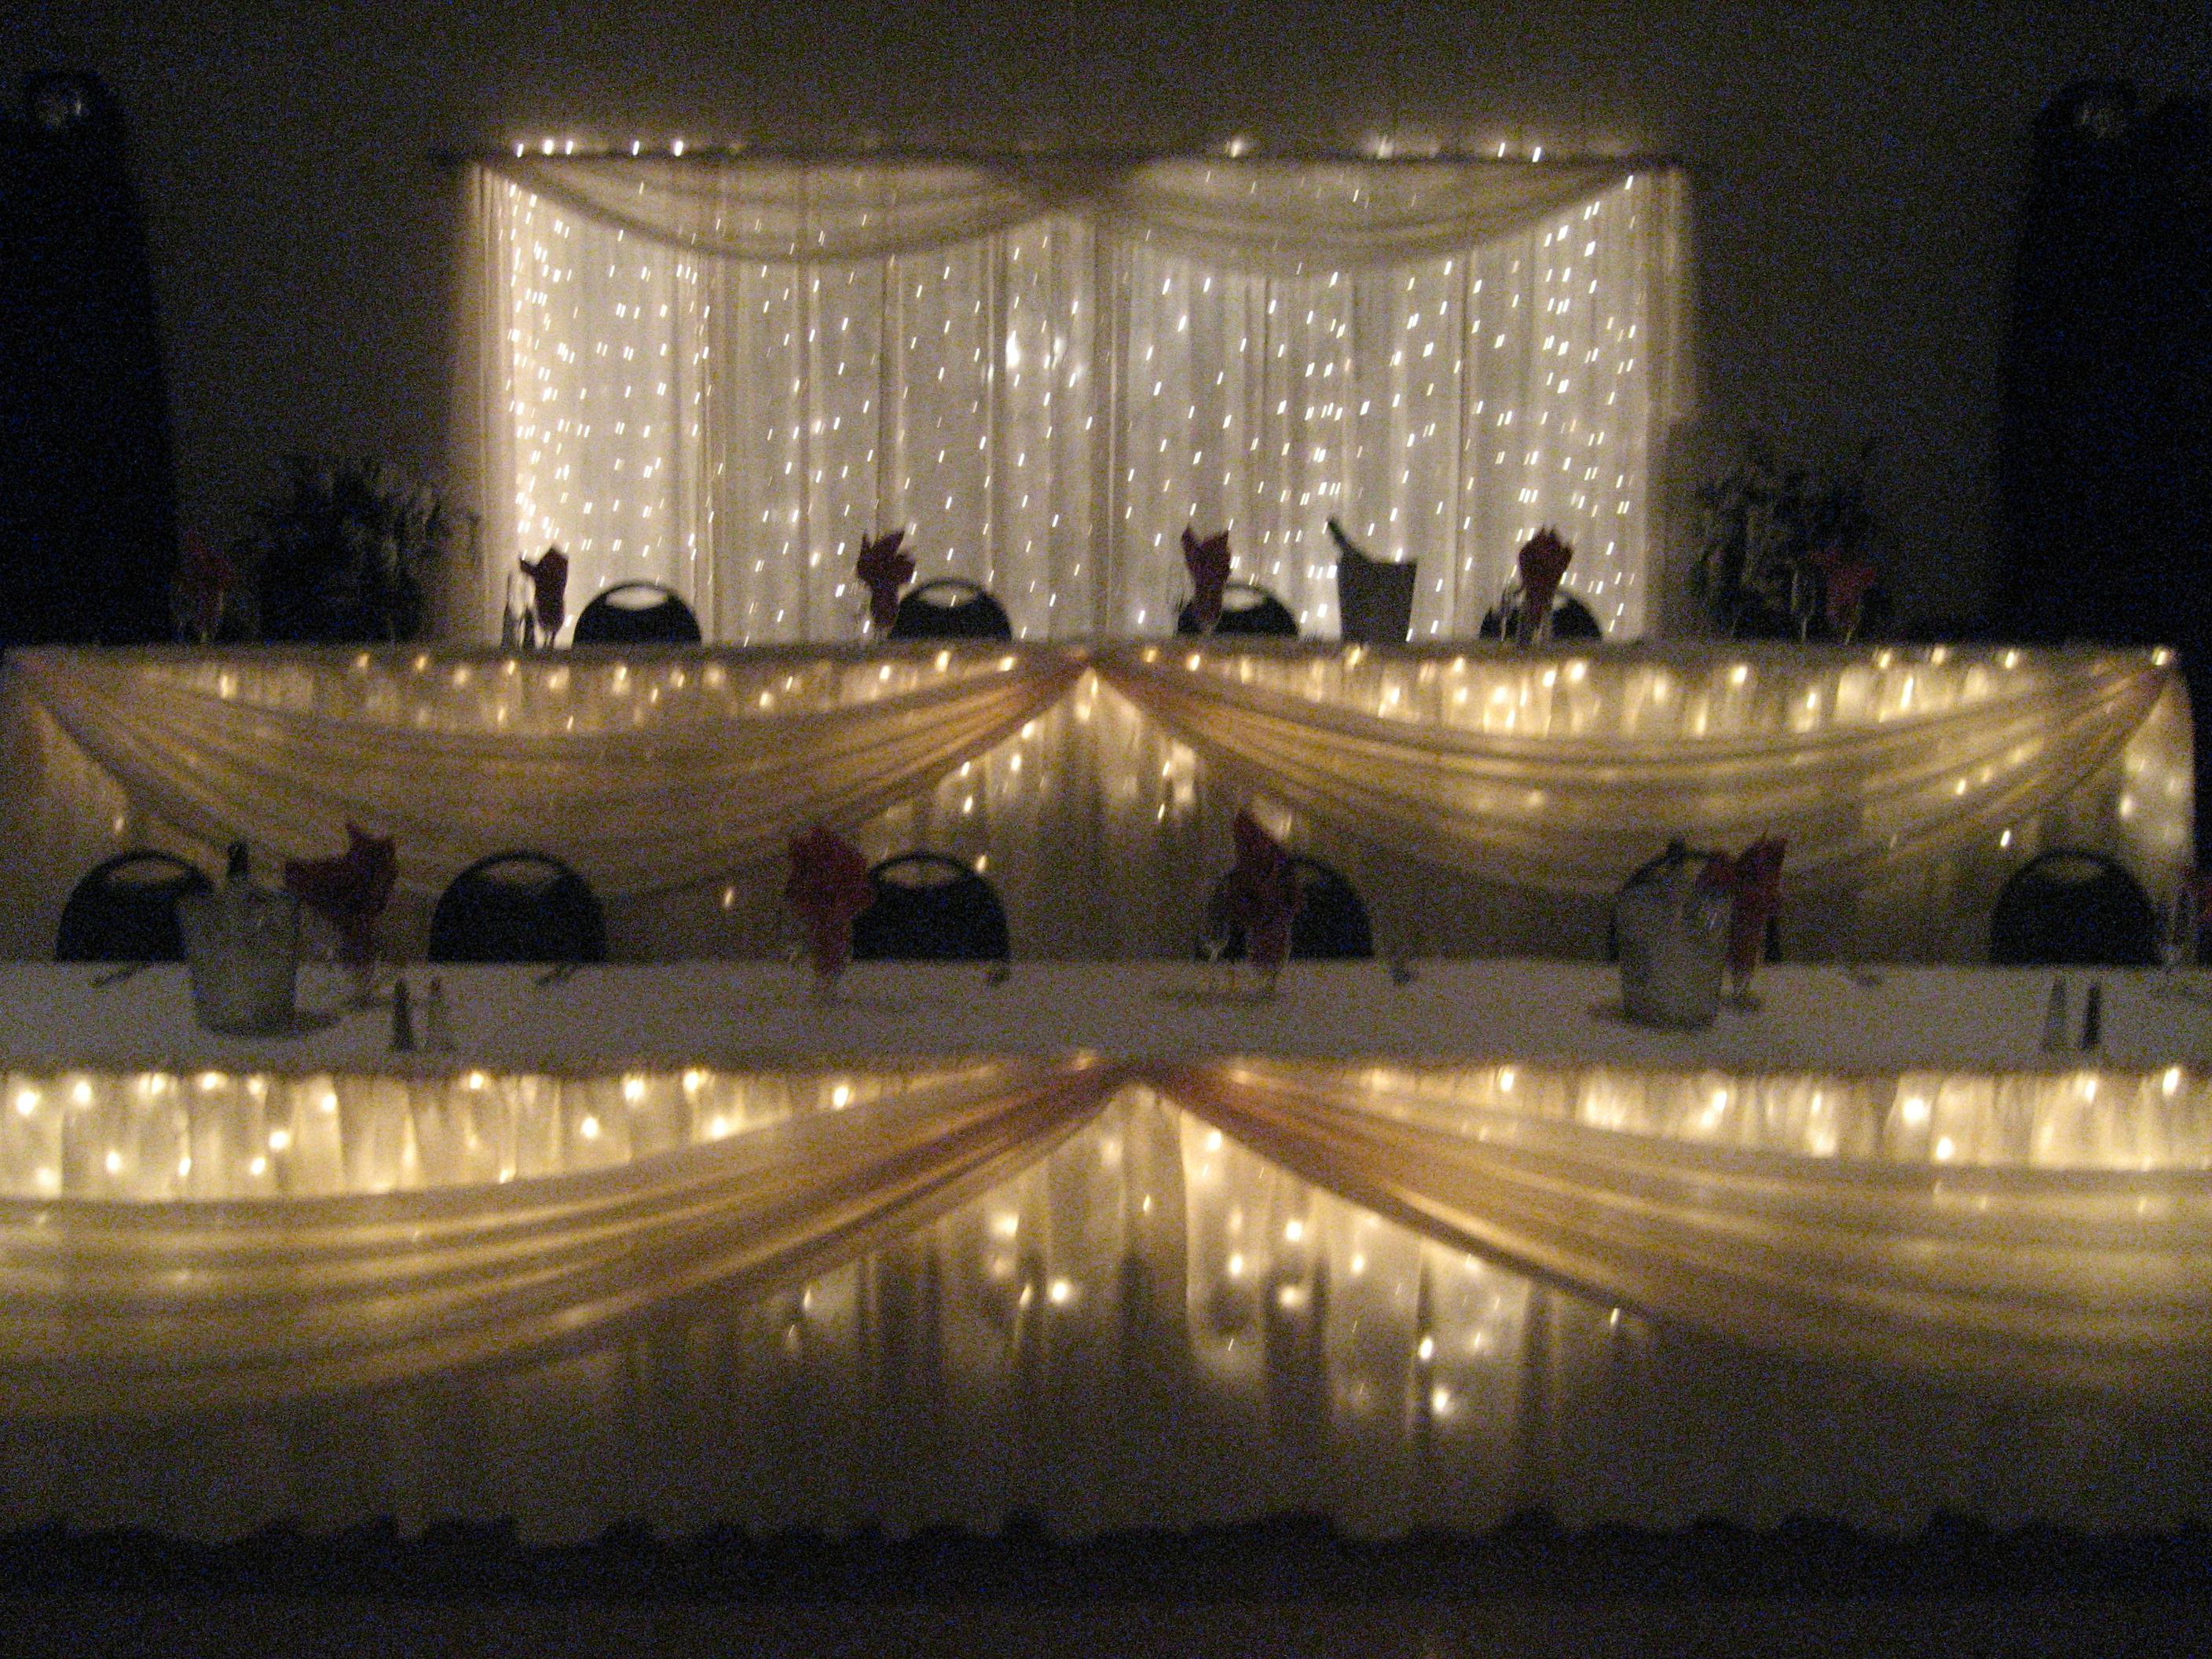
x=2038, y=1278
x=1174, y=1280
x=784, y=211
x=1096, y=784
x=641, y=789
x=1278, y=217
x=419, y=1240
x=1541, y=779
x=133, y=1308
x=721, y=373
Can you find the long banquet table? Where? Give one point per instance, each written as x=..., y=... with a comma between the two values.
x=1486, y=800
x=1111, y=1245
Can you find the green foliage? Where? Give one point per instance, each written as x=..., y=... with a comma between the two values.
x=1759, y=527
x=347, y=551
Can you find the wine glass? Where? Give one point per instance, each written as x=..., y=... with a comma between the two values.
x=1217, y=939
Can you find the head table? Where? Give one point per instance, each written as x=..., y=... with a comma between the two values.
x=1110, y=1244
x=1486, y=800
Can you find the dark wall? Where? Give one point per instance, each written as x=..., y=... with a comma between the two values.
x=1855, y=170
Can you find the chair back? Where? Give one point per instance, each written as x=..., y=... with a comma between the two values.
x=517, y=906
x=951, y=608
x=125, y=910
x=636, y=613
x=1570, y=618
x=930, y=908
x=1245, y=608
x=1375, y=597
x=2069, y=905
x=1331, y=925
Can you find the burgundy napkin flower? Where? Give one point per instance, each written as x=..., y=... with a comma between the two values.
x=1845, y=581
x=829, y=888
x=349, y=891
x=884, y=569
x=549, y=588
x=1754, y=877
x=1544, y=559
x=1262, y=893
x=1208, y=562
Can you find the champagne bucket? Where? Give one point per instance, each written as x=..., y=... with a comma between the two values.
x=1673, y=939
x=242, y=946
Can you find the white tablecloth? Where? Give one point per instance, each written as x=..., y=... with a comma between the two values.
x=1815, y=1018
x=1147, y=1322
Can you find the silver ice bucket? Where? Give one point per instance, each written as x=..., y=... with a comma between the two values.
x=242, y=946
x=1674, y=933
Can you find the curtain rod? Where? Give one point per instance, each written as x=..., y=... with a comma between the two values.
x=1309, y=155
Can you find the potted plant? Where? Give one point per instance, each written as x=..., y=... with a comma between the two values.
x=345, y=551
x=1780, y=547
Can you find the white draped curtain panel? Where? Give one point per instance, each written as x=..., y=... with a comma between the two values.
x=920, y=1294
x=1486, y=801
x=441, y=1223
x=720, y=374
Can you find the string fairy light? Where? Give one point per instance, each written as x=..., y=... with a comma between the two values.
x=732, y=429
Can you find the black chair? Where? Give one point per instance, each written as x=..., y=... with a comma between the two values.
x=929, y=908
x=951, y=608
x=636, y=613
x=1570, y=619
x=1331, y=925
x=1245, y=608
x=2069, y=906
x=517, y=906
x=1773, y=947
x=125, y=910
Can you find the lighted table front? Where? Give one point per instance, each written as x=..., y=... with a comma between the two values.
x=1112, y=1245
x=1486, y=801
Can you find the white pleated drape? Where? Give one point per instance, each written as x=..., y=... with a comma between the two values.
x=1093, y=785
x=1540, y=780
x=718, y=373
x=646, y=780
x=2068, y=1279
x=139, y=1308
x=1206, y=1265
x=540, y=1216
x=537, y=1217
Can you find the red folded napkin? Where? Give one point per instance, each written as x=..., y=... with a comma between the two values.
x=885, y=570
x=1754, y=878
x=549, y=588
x=1208, y=562
x=1844, y=583
x=1544, y=559
x=828, y=887
x=349, y=891
x=1262, y=893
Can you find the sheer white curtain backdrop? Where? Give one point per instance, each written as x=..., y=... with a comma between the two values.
x=719, y=373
